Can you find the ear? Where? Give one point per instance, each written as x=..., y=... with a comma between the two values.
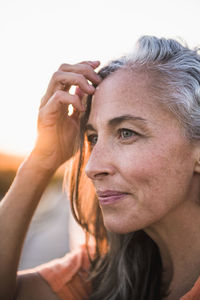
x=197, y=165
x=196, y=156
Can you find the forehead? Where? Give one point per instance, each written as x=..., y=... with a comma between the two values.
x=126, y=92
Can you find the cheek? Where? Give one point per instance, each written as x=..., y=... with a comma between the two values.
x=155, y=189
x=141, y=166
x=157, y=177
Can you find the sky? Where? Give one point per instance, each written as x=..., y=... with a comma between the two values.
x=36, y=37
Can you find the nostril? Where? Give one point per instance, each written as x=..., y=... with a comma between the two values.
x=99, y=166
x=100, y=174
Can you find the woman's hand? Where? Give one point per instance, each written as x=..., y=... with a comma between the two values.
x=56, y=130
x=56, y=136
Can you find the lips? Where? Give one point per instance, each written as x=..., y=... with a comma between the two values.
x=110, y=196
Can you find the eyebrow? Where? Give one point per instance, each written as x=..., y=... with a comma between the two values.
x=118, y=120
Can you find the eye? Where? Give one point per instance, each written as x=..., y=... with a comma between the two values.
x=92, y=139
x=126, y=133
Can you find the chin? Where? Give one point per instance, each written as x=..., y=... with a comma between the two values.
x=116, y=226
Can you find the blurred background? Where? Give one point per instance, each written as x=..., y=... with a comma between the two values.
x=35, y=38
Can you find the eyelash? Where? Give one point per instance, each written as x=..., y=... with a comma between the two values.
x=120, y=131
x=90, y=139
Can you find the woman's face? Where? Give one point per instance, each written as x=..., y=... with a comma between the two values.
x=141, y=164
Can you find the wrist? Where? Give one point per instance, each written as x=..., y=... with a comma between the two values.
x=38, y=166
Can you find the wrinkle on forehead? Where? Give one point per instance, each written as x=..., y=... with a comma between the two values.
x=127, y=92
x=125, y=88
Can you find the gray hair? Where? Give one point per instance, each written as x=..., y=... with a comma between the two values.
x=176, y=70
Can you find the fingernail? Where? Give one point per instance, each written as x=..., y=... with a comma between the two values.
x=92, y=88
x=83, y=107
x=96, y=62
x=99, y=78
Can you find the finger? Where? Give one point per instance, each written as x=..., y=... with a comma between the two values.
x=63, y=81
x=69, y=79
x=60, y=98
x=93, y=64
x=79, y=92
x=82, y=68
x=75, y=115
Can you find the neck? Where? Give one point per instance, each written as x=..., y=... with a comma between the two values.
x=178, y=239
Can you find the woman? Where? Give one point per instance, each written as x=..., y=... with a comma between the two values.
x=140, y=149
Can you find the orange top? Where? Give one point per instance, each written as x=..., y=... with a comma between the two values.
x=66, y=277
x=194, y=293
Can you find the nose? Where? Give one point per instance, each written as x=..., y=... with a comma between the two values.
x=100, y=163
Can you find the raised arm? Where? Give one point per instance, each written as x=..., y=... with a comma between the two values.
x=54, y=145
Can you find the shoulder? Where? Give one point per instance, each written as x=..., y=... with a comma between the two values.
x=67, y=276
x=33, y=287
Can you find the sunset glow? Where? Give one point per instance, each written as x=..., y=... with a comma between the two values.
x=38, y=36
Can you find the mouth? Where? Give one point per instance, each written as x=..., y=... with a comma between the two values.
x=110, y=196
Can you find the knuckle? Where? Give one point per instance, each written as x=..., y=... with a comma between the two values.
x=58, y=94
x=76, y=98
x=86, y=68
x=80, y=78
x=55, y=75
x=42, y=115
x=63, y=66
